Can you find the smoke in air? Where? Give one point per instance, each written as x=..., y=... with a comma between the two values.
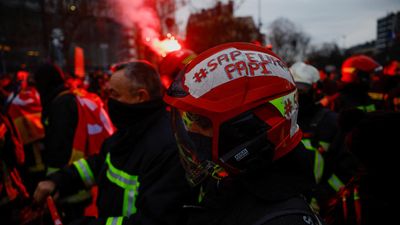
x=140, y=16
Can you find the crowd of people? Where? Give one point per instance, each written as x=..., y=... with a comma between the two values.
x=232, y=135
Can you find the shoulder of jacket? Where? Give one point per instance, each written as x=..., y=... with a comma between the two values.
x=295, y=219
x=64, y=96
x=291, y=211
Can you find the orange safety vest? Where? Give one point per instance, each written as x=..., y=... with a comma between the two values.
x=11, y=182
x=25, y=111
x=94, y=125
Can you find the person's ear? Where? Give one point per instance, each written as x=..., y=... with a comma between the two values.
x=143, y=95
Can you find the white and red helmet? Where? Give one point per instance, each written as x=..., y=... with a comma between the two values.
x=233, y=106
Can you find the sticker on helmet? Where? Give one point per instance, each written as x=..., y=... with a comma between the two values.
x=231, y=64
x=288, y=106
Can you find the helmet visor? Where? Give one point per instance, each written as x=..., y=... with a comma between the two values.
x=241, y=143
x=193, y=134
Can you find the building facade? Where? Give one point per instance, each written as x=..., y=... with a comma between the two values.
x=32, y=31
x=388, y=31
x=218, y=25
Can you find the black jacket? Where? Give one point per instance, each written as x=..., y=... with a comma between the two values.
x=374, y=141
x=353, y=96
x=60, y=119
x=247, y=199
x=320, y=122
x=321, y=125
x=145, y=151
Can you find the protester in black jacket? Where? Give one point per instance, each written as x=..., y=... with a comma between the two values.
x=333, y=166
x=59, y=116
x=137, y=171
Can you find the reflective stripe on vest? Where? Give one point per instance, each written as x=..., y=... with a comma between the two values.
x=126, y=181
x=335, y=183
x=356, y=195
x=318, y=167
x=129, y=207
x=308, y=145
x=367, y=108
x=82, y=195
x=51, y=170
x=114, y=220
x=377, y=96
x=76, y=155
x=324, y=145
x=85, y=172
x=202, y=193
x=318, y=160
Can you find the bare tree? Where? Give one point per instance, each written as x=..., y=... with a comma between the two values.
x=288, y=40
x=325, y=54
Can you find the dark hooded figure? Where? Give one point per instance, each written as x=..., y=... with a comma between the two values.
x=49, y=82
x=60, y=119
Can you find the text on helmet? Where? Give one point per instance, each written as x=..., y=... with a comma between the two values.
x=231, y=64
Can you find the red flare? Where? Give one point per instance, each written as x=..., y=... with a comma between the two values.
x=163, y=47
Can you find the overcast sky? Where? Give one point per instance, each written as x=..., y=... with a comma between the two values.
x=346, y=22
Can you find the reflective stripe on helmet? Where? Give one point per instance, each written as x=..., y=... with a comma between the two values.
x=348, y=69
x=85, y=172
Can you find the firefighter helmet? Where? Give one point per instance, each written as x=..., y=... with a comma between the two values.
x=355, y=64
x=303, y=73
x=233, y=107
x=172, y=63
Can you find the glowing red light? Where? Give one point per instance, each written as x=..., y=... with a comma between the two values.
x=165, y=81
x=167, y=45
x=163, y=47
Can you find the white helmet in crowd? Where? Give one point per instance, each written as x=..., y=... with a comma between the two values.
x=304, y=73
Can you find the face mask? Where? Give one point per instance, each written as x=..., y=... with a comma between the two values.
x=121, y=114
x=124, y=115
